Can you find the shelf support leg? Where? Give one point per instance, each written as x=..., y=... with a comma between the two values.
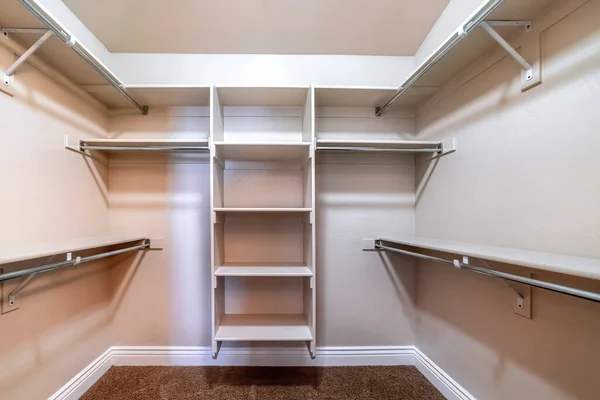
x=312, y=350
x=506, y=46
x=13, y=68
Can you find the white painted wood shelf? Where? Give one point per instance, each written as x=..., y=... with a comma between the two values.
x=46, y=249
x=263, y=151
x=263, y=327
x=264, y=271
x=379, y=144
x=261, y=210
x=145, y=142
x=564, y=264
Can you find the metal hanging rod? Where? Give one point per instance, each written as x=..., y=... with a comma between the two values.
x=69, y=263
x=462, y=32
x=146, y=148
x=582, y=294
x=379, y=149
x=72, y=42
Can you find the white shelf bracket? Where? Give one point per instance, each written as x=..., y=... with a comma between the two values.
x=28, y=53
x=527, y=68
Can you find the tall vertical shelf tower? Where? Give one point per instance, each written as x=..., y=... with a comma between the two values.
x=262, y=211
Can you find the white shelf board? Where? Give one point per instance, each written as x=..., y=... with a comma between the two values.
x=266, y=271
x=379, y=144
x=146, y=142
x=152, y=96
x=263, y=327
x=261, y=210
x=275, y=151
x=274, y=96
x=365, y=96
x=564, y=264
x=46, y=249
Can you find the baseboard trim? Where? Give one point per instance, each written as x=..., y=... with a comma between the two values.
x=84, y=380
x=201, y=356
x=439, y=378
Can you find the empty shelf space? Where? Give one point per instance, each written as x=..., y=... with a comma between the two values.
x=37, y=250
x=380, y=145
x=293, y=96
x=264, y=271
x=570, y=265
x=263, y=327
x=364, y=96
x=262, y=210
x=297, y=152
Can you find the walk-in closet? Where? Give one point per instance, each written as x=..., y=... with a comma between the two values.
x=251, y=199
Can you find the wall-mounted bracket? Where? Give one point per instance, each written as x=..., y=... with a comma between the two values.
x=23, y=58
x=527, y=24
x=527, y=68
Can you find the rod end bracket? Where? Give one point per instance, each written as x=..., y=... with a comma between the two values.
x=145, y=110
x=378, y=111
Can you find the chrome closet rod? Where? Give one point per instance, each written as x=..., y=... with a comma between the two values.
x=440, y=52
x=391, y=150
x=67, y=38
x=78, y=260
x=145, y=148
x=582, y=294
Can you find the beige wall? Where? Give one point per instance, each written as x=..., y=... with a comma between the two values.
x=48, y=194
x=525, y=176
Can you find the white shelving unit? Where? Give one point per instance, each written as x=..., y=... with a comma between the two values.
x=262, y=190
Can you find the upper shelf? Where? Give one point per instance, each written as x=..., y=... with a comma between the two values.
x=45, y=249
x=365, y=96
x=380, y=145
x=457, y=52
x=152, y=96
x=569, y=265
x=120, y=145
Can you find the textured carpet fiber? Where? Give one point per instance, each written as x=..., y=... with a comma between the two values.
x=307, y=383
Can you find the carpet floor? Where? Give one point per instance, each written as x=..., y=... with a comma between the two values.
x=269, y=383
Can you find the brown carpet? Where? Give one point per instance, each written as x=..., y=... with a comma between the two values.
x=228, y=383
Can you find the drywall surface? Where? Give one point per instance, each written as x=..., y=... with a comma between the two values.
x=455, y=13
x=524, y=176
x=167, y=299
x=48, y=194
x=259, y=69
x=364, y=298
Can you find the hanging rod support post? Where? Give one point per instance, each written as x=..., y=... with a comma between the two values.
x=28, y=53
x=509, y=49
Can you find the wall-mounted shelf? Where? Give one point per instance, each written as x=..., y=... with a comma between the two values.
x=108, y=146
x=408, y=146
x=264, y=271
x=263, y=327
x=267, y=96
x=153, y=96
x=468, y=43
x=569, y=265
x=46, y=249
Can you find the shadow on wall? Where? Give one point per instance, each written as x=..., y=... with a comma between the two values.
x=556, y=348
x=59, y=310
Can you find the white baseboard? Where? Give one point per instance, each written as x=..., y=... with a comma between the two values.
x=201, y=356
x=84, y=380
x=440, y=379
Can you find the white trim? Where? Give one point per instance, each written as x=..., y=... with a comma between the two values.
x=201, y=356
x=440, y=379
x=84, y=380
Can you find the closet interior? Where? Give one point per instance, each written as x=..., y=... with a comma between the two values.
x=288, y=181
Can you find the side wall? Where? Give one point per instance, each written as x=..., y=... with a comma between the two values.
x=48, y=194
x=525, y=176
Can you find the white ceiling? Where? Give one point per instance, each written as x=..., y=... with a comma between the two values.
x=362, y=27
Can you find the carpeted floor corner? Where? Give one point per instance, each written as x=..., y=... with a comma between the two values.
x=269, y=383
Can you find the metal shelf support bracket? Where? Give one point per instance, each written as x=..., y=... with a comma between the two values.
x=487, y=26
x=46, y=34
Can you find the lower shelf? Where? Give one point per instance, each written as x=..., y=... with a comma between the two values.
x=274, y=271
x=263, y=327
